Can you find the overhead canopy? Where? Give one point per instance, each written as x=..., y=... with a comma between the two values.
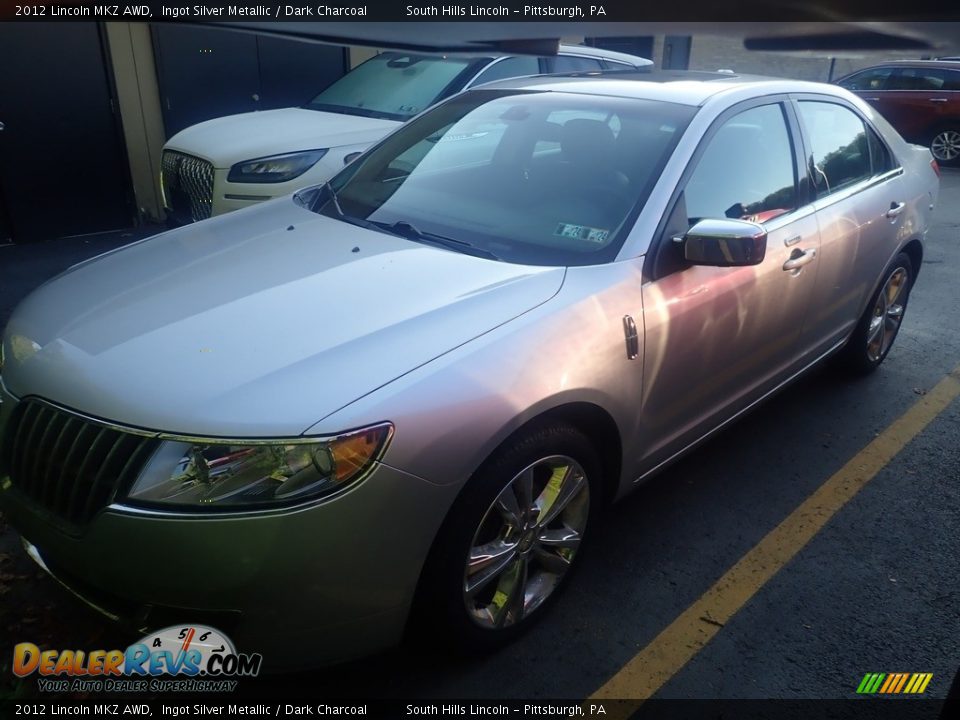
x=538, y=38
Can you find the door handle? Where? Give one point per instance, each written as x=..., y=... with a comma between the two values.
x=895, y=209
x=873, y=99
x=799, y=258
x=938, y=99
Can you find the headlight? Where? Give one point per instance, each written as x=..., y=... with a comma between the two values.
x=235, y=476
x=276, y=168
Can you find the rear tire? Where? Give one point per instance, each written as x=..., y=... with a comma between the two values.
x=511, y=541
x=873, y=337
x=945, y=145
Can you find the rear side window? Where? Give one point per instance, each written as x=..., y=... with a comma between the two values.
x=839, y=148
x=930, y=79
x=880, y=157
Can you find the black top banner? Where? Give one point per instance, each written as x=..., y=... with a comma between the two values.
x=482, y=11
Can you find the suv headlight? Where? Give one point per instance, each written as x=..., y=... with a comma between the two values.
x=246, y=475
x=275, y=168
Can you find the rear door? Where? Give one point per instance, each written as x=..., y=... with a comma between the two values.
x=860, y=199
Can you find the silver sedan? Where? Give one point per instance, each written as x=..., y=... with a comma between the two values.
x=401, y=400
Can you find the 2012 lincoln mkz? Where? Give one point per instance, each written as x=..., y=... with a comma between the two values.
x=403, y=398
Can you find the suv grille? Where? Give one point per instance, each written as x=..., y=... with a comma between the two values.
x=187, y=184
x=68, y=465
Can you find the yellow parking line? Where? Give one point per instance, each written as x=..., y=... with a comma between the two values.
x=689, y=633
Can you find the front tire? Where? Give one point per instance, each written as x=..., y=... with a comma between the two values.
x=873, y=337
x=511, y=540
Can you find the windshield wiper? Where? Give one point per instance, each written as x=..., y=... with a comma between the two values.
x=333, y=196
x=408, y=230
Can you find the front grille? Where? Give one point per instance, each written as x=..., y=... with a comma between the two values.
x=70, y=466
x=187, y=184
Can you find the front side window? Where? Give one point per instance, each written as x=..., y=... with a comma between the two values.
x=839, y=146
x=746, y=171
x=395, y=86
x=873, y=79
x=541, y=178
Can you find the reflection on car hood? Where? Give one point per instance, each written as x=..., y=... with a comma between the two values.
x=234, y=138
x=256, y=323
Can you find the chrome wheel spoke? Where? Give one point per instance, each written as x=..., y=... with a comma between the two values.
x=486, y=563
x=509, y=600
x=560, y=490
x=509, y=509
x=524, y=489
x=876, y=330
x=564, y=538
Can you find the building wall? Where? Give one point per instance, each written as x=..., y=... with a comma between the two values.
x=714, y=53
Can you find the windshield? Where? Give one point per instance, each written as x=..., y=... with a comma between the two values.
x=541, y=178
x=396, y=86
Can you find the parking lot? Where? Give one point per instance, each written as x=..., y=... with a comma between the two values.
x=809, y=544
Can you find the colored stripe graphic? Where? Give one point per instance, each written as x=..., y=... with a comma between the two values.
x=894, y=683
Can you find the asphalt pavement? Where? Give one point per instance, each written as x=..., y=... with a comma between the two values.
x=877, y=589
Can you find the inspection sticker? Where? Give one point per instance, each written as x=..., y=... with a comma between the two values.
x=582, y=232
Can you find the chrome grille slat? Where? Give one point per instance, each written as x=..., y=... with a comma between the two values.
x=71, y=466
x=58, y=506
x=104, y=477
x=37, y=425
x=190, y=179
x=80, y=479
x=62, y=422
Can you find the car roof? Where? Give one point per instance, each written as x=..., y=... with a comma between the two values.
x=684, y=87
x=562, y=49
x=949, y=64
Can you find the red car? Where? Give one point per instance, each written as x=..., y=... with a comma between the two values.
x=921, y=99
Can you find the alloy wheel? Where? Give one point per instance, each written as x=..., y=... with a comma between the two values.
x=526, y=542
x=945, y=146
x=887, y=314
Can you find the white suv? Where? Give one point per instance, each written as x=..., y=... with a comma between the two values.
x=231, y=162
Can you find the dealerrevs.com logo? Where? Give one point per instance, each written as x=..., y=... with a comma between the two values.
x=196, y=657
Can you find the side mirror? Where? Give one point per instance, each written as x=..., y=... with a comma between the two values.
x=725, y=243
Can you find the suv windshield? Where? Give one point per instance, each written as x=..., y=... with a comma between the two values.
x=396, y=86
x=541, y=178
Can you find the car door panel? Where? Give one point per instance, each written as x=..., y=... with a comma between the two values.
x=718, y=338
x=859, y=212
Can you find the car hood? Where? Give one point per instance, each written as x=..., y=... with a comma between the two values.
x=258, y=323
x=228, y=140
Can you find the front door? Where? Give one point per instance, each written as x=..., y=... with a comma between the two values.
x=717, y=338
